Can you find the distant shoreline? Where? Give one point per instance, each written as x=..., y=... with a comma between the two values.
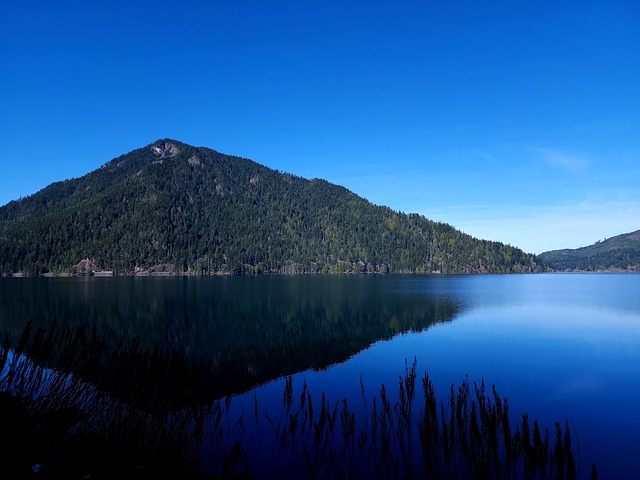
x=111, y=274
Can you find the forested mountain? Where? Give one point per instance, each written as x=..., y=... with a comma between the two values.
x=621, y=252
x=176, y=208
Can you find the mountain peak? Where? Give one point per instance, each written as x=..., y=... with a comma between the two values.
x=171, y=207
x=165, y=149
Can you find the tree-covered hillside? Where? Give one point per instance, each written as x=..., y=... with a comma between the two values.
x=621, y=252
x=182, y=209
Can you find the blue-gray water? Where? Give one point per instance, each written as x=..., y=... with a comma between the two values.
x=558, y=346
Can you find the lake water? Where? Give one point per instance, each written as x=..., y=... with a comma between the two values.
x=558, y=346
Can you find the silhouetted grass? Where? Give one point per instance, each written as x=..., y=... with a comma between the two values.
x=471, y=436
x=60, y=426
x=65, y=427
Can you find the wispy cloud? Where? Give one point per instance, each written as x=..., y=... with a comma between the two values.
x=561, y=159
x=484, y=155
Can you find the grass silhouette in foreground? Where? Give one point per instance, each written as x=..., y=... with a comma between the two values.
x=57, y=425
x=470, y=436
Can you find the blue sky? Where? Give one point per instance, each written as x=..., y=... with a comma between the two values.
x=512, y=121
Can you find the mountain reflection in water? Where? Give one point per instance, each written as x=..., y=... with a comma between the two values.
x=192, y=340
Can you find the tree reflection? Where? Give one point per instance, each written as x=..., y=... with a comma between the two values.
x=195, y=340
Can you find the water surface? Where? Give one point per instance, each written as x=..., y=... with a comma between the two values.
x=558, y=346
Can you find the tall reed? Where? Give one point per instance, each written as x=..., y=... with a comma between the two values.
x=60, y=424
x=471, y=436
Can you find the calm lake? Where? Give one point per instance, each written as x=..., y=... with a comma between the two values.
x=558, y=346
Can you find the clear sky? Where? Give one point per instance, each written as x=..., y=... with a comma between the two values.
x=512, y=121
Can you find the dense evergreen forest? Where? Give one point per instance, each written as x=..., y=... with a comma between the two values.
x=171, y=207
x=621, y=252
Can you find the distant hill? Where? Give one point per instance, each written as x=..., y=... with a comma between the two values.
x=621, y=252
x=174, y=208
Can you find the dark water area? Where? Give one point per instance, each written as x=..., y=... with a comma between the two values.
x=235, y=332
x=558, y=346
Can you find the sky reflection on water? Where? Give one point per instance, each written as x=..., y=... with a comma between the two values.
x=557, y=346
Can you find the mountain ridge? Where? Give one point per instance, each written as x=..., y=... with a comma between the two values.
x=618, y=253
x=173, y=208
